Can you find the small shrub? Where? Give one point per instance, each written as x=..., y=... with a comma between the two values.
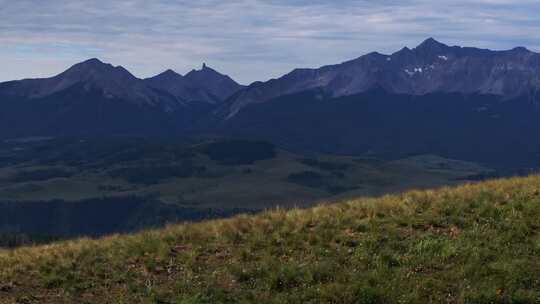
x=286, y=277
x=368, y=295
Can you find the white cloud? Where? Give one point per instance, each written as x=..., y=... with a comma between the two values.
x=248, y=39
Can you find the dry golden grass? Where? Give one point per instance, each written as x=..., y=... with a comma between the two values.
x=476, y=243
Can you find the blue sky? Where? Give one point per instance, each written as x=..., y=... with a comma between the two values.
x=247, y=39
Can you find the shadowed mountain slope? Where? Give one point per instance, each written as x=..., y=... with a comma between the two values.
x=431, y=67
x=95, y=98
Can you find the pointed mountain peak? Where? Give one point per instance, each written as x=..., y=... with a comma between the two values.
x=93, y=74
x=521, y=49
x=170, y=73
x=430, y=40
x=205, y=71
x=375, y=54
x=168, y=76
x=93, y=64
x=96, y=71
x=206, y=68
x=217, y=84
x=404, y=50
x=431, y=43
x=92, y=61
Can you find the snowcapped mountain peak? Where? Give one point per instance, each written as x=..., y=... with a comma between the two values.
x=430, y=67
x=430, y=43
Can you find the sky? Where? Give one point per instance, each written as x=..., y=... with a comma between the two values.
x=247, y=39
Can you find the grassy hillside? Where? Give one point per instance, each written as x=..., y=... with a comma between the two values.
x=471, y=244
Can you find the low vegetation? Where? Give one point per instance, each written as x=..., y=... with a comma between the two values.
x=13, y=240
x=328, y=182
x=477, y=243
x=40, y=175
x=324, y=165
x=150, y=175
x=39, y=221
x=238, y=152
x=48, y=186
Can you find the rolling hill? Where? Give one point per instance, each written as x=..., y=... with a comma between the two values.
x=477, y=243
x=70, y=187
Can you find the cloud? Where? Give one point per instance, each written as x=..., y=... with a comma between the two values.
x=248, y=39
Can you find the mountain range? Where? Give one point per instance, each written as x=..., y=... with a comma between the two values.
x=95, y=98
x=430, y=67
x=205, y=85
x=467, y=103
